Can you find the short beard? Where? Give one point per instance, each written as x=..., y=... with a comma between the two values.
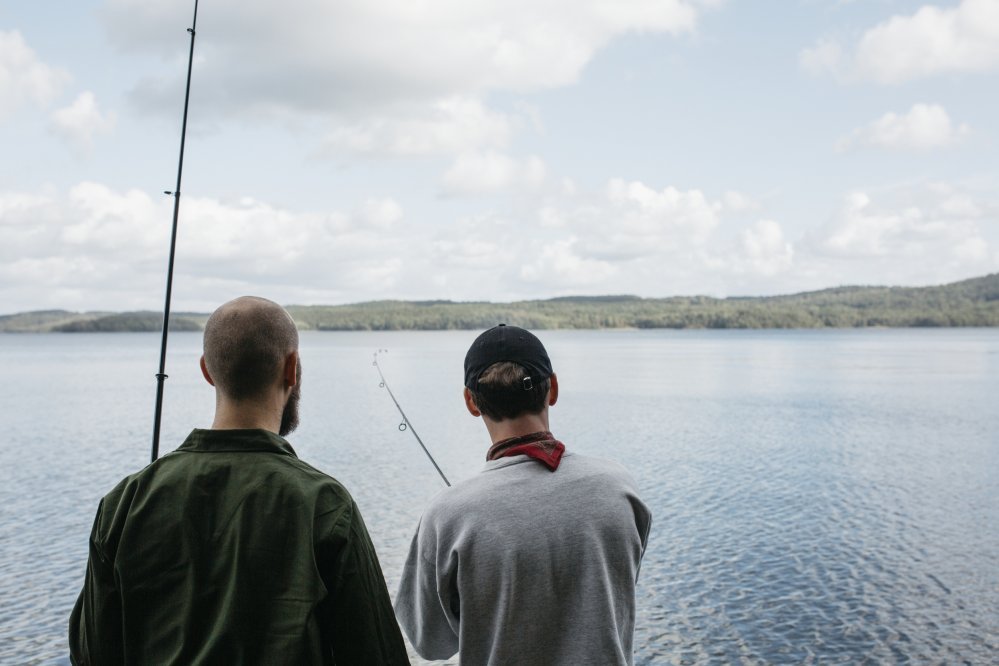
x=289, y=417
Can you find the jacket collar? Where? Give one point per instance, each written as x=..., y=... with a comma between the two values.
x=249, y=440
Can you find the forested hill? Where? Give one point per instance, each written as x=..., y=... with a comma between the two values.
x=972, y=302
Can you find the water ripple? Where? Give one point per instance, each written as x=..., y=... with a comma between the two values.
x=818, y=498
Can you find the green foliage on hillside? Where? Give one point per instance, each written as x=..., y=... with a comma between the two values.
x=64, y=321
x=132, y=322
x=972, y=302
x=42, y=321
x=969, y=303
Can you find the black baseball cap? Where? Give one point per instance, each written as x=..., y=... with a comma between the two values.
x=507, y=343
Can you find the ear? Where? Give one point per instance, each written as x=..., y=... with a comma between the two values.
x=290, y=373
x=204, y=371
x=553, y=391
x=470, y=403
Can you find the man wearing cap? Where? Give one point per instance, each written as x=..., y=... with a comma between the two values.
x=533, y=560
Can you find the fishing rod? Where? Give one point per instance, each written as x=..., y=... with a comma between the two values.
x=161, y=375
x=406, y=425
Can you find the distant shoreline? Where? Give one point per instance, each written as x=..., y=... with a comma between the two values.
x=969, y=303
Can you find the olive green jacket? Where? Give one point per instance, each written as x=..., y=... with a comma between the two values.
x=230, y=550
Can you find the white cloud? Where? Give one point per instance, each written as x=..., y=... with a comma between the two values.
x=95, y=247
x=559, y=267
x=624, y=238
x=764, y=249
x=861, y=230
x=99, y=247
x=924, y=127
x=930, y=42
x=389, y=76
x=972, y=250
x=490, y=172
x=637, y=220
x=380, y=50
x=100, y=219
x=932, y=232
x=535, y=171
x=671, y=241
x=24, y=79
x=447, y=126
x=473, y=252
x=667, y=240
x=551, y=217
x=81, y=121
x=381, y=213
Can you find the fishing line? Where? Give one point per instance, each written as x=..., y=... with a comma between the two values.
x=161, y=375
x=405, y=425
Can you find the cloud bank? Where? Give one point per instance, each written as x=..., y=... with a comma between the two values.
x=97, y=247
x=385, y=77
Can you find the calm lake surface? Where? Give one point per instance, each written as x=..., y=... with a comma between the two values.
x=818, y=496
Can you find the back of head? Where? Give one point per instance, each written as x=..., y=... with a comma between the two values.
x=507, y=371
x=245, y=344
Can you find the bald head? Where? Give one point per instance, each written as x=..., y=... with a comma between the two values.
x=246, y=343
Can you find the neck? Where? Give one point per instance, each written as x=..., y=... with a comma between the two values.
x=517, y=427
x=247, y=414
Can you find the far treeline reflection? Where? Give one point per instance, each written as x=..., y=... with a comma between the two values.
x=973, y=302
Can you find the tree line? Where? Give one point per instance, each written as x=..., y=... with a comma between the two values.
x=972, y=302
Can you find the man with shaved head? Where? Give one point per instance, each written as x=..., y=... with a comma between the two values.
x=230, y=550
x=251, y=345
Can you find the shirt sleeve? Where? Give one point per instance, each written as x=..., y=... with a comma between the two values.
x=643, y=523
x=427, y=605
x=361, y=625
x=95, y=628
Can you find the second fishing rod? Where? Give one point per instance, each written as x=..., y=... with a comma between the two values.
x=405, y=424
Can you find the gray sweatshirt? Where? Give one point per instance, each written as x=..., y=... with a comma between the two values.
x=522, y=565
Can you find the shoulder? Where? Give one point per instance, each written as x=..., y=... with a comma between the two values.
x=276, y=475
x=607, y=476
x=444, y=503
x=114, y=508
x=577, y=464
x=452, y=509
x=315, y=477
x=126, y=489
x=331, y=501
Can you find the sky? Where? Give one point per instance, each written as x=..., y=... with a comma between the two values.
x=357, y=150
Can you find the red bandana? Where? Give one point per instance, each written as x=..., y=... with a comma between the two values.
x=541, y=446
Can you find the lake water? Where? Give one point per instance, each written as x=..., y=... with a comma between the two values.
x=819, y=496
